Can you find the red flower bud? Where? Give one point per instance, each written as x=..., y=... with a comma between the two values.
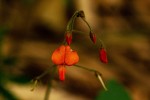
x=68, y=38
x=103, y=55
x=93, y=37
x=61, y=72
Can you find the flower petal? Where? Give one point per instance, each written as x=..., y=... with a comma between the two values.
x=64, y=55
x=61, y=71
x=58, y=55
x=71, y=57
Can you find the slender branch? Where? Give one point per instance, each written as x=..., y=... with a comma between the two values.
x=98, y=75
x=87, y=24
x=47, y=90
x=101, y=43
x=76, y=31
x=43, y=74
x=40, y=76
x=85, y=68
x=72, y=19
x=49, y=84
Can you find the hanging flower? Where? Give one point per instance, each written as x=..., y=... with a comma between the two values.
x=68, y=38
x=93, y=37
x=64, y=56
x=103, y=55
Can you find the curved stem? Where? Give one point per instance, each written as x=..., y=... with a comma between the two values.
x=40, y=76
x=101, y=43
x=85, y=68
x=78, y=31
x=87, y=23
x=97, y=74
x=71, y=21
x=44, y=73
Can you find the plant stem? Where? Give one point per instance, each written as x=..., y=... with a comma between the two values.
x=101, y=43
x=71, y=21
x=78, y=31
x=44, y=73
x=40, y=76
x=98, y=75
x=47, y=91
x=49, y=84
x=85, y=68
x=87, y=24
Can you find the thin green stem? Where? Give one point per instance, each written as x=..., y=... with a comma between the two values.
x=71, y=21
x=68, y=25
x=87, y=24
x=98, y=74
x=85, y=68
x=47, y=91
x=36, y=80
x=49, y=84
x=46, y=72
x=78, y=31
x=101, y=43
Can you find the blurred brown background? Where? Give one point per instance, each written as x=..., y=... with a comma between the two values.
x=37, y=27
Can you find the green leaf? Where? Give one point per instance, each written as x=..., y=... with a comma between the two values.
x=21, y=79
x=7, y=94
x=9, y=60
x=115, y=92
x=28, y=2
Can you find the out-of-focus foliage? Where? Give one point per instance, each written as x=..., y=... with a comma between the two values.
x=115, y=92
x=5, y=63
x=3, y=30
x=31, y=29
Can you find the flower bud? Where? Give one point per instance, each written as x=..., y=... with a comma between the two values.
x=68, y=38
x=103, y=55
x=93, y=37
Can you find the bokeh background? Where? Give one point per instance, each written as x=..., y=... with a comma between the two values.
x=30, y=30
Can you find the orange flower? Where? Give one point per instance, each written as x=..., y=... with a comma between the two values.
x=62, y=56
